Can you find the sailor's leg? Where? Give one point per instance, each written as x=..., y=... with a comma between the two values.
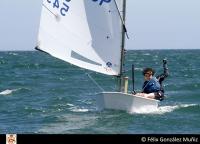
x=150, y=95
x=159, y=95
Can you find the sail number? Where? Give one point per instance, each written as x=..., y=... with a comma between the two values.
x=102, y=1
x=63, y=7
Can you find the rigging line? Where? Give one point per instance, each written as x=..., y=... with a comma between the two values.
x=95, y=82
x=49, y=10
x=123, y=22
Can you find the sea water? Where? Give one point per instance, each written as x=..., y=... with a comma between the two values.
x=41, y=94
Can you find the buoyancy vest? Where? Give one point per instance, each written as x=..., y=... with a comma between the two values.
x=152, y=85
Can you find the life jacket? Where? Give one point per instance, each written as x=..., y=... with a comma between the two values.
x=152, y=85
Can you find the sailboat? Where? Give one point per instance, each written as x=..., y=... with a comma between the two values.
x=91, y=34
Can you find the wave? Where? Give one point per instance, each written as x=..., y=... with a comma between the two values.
x=146, y=54
x=12, y=53
x=68, y=104
x=8, y=91
x=161, y=109
x=80, y=110
x=139, y=69
x=74, y=108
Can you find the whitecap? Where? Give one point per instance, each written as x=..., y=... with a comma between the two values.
x=146, y=54
x=77, y=109
x=167, y=109
x=160, y=109
x=8, y=91
x=12, y=53
x=139, y=69
x=74, y=108
x=80, y=110
x=68, y=104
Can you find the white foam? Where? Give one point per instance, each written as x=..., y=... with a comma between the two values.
x=77, y=109
x=146, y=54
x=12, y=53
x=166, y=109
x=74, y=108
x=8, y=91
x=139, y=69
x=80, y=110
x=143, y=110
x=68, y=104
x=160, y=110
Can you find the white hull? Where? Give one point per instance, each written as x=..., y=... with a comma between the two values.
x=123, y=101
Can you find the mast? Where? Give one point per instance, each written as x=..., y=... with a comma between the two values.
x=123, y=17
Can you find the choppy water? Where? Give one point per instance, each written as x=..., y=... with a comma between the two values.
x=41, y=94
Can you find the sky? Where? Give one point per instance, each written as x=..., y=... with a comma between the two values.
x=151, y=24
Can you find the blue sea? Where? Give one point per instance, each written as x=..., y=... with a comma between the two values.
x=40, y=94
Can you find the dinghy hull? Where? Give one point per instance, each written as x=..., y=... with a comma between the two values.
x=124, y=101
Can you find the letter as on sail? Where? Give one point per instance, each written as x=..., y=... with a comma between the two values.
x=86, y=33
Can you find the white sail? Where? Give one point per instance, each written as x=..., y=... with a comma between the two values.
x=86, y=33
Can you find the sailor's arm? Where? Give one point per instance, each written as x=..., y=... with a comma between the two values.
x=166, y=71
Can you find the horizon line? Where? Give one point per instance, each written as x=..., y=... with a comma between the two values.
x=126, y=49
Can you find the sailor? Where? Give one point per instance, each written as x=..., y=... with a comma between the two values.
x=152, y=87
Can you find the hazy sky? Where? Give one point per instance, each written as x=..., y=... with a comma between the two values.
x=151, y=24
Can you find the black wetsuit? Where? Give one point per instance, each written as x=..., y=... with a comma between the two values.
x=160, y=94
x=162, y=77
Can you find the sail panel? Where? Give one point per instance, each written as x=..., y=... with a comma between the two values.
x=85, y=33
